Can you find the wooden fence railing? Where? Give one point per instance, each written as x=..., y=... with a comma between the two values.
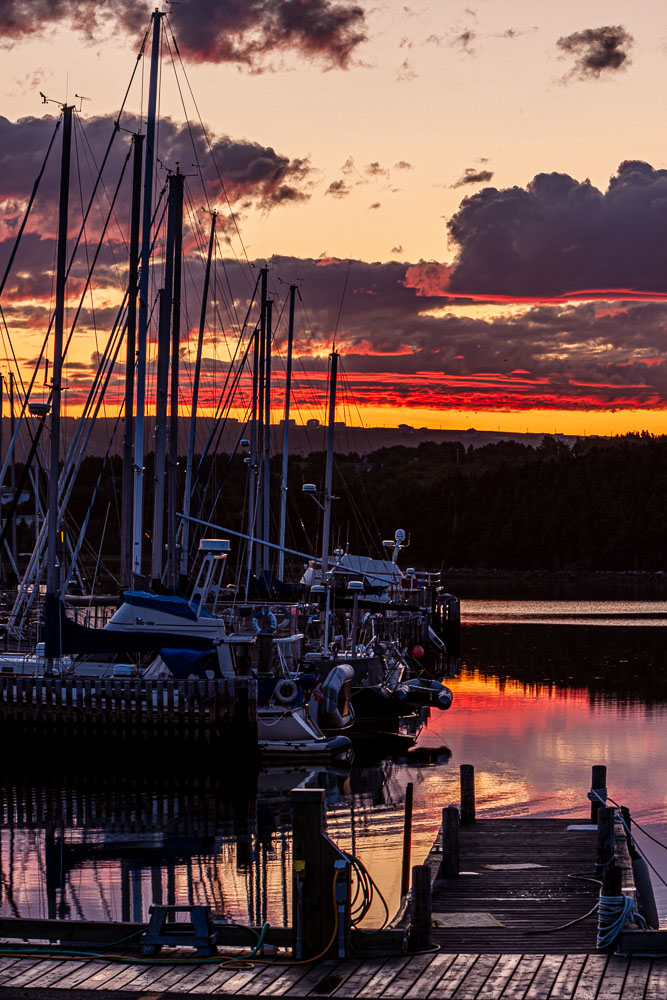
x=209, y=710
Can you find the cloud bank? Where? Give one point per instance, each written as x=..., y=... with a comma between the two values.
x=558, y=236
x=240, y=31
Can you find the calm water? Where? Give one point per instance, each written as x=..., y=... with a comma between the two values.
x=545, y=690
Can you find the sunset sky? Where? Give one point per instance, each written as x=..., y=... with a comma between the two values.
x=473, y=198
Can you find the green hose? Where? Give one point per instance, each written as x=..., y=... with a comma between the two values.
x=31, y=951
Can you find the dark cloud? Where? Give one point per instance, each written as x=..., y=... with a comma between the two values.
x=252, y=174
x=403, y=165
x=464, y=41
x=338, y=189
x=597, y=50
x=472, y=176
x=406, y=72
x=375, y=170
x=242, y=31
x=397, y=249
x=376, y=204
x=559, y=235
x=247, y=169
x=348, y=167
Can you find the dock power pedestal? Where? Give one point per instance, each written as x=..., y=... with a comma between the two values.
x=320, y=882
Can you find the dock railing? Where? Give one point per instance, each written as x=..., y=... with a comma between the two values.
x=192, y=710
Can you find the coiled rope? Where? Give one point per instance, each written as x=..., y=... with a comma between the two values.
x=613, y=913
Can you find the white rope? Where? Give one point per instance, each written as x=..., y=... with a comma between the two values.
x=613, y=913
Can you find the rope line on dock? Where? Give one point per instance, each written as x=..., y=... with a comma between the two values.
x=593, y=794
x=579, y=876
x=614, y=911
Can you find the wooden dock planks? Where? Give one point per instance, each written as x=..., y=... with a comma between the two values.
x=530, y=903
x=457, y=977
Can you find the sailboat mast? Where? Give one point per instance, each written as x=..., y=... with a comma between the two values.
x=162, y=387
x=53, y=569
x=328, y=481
x=142, y=333
x=160, y=447
x=328, y=484
x=187, y=499
x=288, y=389
x=172, y=484
x=261, y=430
x=131, y=347
x=267, y=433
x=252, y=488
x=12, y=479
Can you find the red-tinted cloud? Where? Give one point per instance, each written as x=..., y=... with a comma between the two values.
x=242, y=31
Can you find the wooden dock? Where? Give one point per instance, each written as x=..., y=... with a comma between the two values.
x=500, y=960
x=516, y=883
x=440, y=976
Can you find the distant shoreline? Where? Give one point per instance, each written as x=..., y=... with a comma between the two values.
x=556, y=584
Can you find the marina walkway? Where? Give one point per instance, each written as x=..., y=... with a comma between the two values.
x=439, y=976
x=521, y=880
x=498, y=933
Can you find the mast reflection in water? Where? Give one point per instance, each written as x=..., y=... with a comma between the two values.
x=544, y=692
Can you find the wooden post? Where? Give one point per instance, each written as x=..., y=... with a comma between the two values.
x=407, y=839
x=627, y=827
x=313, y=867
x=467, y=772
x=419, y=938
x=606, y=834
x=598, y=784
x=264, y=653
x=450, y=865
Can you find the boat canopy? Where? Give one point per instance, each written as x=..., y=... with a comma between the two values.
x=375, y=572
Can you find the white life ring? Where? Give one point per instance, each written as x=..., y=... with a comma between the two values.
x=285, y=692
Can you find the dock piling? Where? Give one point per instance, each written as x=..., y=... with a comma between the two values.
x=450, y=866
x=467, y=772
x=599, y=785
x=420, y=916
x=606, y=818
x=407, y=839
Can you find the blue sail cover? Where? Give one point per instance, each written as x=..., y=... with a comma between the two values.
x=184, y=663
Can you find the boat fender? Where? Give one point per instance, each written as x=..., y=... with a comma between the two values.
x=332, y=686
x=645, y=891
x=419, y=692
x=264, y=620
x=285, y=692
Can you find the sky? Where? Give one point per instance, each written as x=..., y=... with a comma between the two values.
x=472, y=200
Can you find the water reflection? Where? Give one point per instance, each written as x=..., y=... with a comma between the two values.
x=536, y=704
x=107, y=847
x=621, y=663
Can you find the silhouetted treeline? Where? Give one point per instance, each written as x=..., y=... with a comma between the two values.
x=598, y=506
